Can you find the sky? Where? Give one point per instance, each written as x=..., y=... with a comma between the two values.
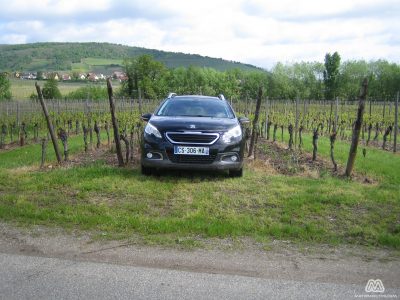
x=257, y=32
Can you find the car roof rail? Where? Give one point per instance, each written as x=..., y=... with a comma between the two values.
x=221, y=96
x=171, y=95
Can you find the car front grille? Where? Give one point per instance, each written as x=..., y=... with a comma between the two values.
x=194, y=138
x=192, y=159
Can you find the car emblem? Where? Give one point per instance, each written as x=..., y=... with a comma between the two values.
x=192, y=126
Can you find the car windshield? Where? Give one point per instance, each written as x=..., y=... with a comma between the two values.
x=195, y=108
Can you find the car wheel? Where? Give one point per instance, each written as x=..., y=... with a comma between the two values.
x=146, y=171
x=236, y=173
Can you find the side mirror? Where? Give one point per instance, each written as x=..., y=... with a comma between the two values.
x=244, y=120
x=146, y=117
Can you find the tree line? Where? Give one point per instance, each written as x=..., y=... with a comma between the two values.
x=305, y=80
x=152, y=79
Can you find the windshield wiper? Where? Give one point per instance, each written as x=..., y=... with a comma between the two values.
x=200, y=116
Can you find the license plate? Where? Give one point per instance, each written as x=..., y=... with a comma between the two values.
x=184, y=150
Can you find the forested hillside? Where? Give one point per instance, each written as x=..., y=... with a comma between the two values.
x=98, y=57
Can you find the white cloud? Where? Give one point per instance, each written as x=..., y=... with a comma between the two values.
x=255, y=31
x=21, y=26
x=51, y=7
x=13, y=39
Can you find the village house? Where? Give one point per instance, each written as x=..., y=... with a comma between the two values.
x=119, y=75
x=92, y=77
x=28, y=75
x=66, y=77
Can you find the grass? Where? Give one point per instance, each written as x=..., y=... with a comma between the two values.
x=22, y=89
x=38, y=64
x=101, y=61
x=79, y=67
x=91, y=63
x=120, y=202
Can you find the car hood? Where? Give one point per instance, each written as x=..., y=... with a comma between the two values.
x=164, y=124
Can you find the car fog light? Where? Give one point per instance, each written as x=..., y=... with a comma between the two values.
x=149, y=155
x=234, y=158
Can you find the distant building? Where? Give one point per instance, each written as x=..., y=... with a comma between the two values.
x=119, y=76
x=54, y=75
x=66, y=77
x=28, y=75
x=92, y=77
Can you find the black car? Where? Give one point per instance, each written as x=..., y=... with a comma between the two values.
x=194, y=133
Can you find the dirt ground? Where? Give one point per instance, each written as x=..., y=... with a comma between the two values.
x=282, y=259
x=276, y=158
x=271, y=157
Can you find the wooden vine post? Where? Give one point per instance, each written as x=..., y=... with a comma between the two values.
x=301, y=128
x=63, y=136
x=49, y=124
x=290, y=129
x=140, y=101
x=357, y=128
x=115, y=123
x=131, y=141
x=388, y=131
x=332, y=139
x=127, y=148
x=85, y=134
x=97, y=131
x=274, y=132
x=335, y=125
x=333, y=134
x=296, y=124
x=315, y=143
x=255, y=122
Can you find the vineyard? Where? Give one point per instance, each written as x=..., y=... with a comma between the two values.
x=292, y=188
x=23, y=121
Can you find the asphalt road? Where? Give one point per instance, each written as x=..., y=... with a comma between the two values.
x=32, y=277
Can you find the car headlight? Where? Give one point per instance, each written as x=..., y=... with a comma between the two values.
x=151, y=129
x=233, y=133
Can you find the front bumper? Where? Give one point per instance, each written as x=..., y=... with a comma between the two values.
x=218, y=164
x=219, y=158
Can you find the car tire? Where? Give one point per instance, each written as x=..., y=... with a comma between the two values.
x=236, y=173
x=146, y=171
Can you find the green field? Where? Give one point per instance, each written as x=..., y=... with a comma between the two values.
x=101, y=61
x=263, y=205
x=22, y=89
x=99, y=64
x=38, y=64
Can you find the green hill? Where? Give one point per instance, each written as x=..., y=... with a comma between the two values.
x=97, y=57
